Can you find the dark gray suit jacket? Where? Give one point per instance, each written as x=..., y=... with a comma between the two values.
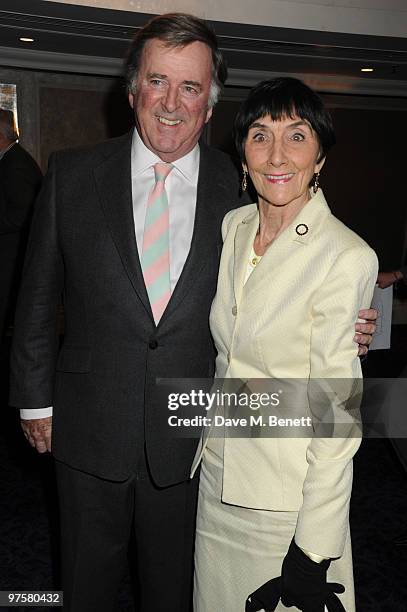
x=102, y=382
x=20, y=181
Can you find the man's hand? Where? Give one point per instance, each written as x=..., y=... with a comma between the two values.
x=365, y=331
x=38, y=433
x=385, y=279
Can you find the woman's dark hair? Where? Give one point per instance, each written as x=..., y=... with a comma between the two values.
x=284, y=97
x=177, y=30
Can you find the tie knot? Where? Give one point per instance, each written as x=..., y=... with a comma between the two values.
x=161, y=171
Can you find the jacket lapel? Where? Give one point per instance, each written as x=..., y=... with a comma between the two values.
x=205, y=228
x=244, y=238
x=284, y=251
x=113, y=182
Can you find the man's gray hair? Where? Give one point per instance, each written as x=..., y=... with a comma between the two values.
x=177, y=30
x=7, y=124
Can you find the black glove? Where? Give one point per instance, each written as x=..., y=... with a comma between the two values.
x=302, y=584
x=266, y=597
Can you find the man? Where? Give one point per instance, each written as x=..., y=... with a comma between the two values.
x=116, y=468
x=20, y=180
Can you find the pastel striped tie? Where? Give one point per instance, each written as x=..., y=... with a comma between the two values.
x=155, y=256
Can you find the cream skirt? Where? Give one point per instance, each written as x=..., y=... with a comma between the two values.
x=239, y=549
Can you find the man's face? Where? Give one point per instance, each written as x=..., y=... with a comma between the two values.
x=171, y=98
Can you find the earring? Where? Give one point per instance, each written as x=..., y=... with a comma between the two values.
x=315, y=186
x=244, y=180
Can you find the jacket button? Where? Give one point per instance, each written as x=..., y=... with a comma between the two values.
x=153, y=344
x=234, y=310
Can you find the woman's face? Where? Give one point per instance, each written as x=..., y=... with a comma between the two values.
x=281, y=158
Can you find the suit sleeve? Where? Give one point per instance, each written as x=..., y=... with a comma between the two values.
x=335, y=368
x=35, y=339
x=20, y=188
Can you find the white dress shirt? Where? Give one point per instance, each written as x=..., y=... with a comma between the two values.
x=181, y=186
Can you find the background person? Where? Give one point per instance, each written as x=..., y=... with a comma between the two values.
x=291, y=281
x=386, y=279
x=20, y=181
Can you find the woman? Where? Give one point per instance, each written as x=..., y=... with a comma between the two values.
x=292, y=279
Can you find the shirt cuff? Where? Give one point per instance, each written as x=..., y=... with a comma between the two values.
x=35, y=413
x=314, y=556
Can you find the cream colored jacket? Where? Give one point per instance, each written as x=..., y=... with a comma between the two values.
x=294, y=318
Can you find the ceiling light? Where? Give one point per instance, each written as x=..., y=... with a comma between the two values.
x=26, y=39
x=366, y=69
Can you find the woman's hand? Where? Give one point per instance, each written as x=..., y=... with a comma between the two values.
x=302, y=584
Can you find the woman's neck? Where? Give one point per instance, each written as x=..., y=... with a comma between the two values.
x=273, y=220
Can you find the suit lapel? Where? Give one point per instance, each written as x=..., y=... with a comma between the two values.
x=205, y=227
x=113, y=182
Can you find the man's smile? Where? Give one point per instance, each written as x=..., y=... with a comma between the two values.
x=169, y=122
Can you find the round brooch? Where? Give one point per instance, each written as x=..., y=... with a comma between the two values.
x=301, y=229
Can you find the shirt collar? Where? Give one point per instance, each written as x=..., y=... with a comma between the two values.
x=143, y=159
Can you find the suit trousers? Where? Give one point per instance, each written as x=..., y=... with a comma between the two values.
x=97, y=519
